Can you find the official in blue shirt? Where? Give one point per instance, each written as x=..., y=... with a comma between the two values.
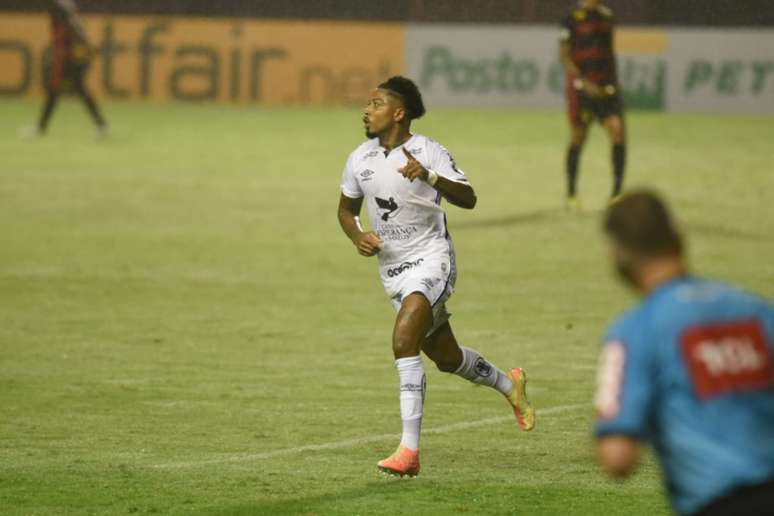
x=688, y=370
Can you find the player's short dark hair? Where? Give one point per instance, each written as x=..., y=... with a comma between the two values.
x=408, y=92
x=640, y=223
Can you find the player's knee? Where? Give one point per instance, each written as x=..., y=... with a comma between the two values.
x=404, y=344
x=445, y=365
x=578, y=137
x=405, y=341
x=617, y=130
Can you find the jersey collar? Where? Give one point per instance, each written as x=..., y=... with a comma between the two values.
x=670, y=284
x=404, y=144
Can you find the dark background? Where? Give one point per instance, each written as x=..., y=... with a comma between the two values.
x=642, y=12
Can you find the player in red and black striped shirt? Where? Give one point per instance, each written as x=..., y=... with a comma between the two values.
x=592, y=87
x=69, y=61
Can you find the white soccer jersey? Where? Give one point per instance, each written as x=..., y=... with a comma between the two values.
x=406, y=215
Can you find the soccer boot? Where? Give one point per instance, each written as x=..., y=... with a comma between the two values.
x=401, y=463
x=522, y=408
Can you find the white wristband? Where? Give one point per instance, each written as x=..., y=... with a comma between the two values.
x=432, y=177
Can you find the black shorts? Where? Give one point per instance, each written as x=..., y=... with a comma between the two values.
x=584, y=109
x=757, y=500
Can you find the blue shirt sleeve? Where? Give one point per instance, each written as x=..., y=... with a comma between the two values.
x=626, y=380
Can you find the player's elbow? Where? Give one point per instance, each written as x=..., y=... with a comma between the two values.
x=618, y=456
x=469, y=200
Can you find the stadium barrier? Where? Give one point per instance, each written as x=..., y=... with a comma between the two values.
x=234, y=60
x=336, y=62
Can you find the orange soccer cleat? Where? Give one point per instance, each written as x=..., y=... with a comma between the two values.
x=522, y=408
x=404, y=462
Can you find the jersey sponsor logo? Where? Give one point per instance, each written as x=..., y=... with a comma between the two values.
x=366, y=174
x=610, y=380
x=390, y=207
x=403, y=267
x=395, y=232
x=370, y=154
x=727, y=358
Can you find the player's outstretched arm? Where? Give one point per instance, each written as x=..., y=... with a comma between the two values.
x=461, y=195
x=367, y=243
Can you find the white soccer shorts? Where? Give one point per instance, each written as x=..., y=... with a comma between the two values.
x=431, y=276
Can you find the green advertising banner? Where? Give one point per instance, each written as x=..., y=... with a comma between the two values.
x=676, y=70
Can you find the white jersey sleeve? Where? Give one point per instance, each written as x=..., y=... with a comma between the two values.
x=443, y=164
x=349, y=185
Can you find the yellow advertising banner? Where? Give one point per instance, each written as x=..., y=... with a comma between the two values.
x=219, y=59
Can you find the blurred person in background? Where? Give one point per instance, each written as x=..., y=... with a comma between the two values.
x=586, y=51
x=689, y=370
x=68, y=63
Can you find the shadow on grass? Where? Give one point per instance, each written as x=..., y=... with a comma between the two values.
x=545, y=215
x=723, y=232
x=559, y=214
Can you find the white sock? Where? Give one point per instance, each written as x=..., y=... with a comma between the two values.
x=477, y=369
x=412, y=399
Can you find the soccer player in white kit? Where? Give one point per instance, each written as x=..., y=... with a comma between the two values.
x=402, y=178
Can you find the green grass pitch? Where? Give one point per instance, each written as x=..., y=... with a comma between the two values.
x=185, y=330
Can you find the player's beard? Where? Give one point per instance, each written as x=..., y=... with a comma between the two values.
x=369, y=134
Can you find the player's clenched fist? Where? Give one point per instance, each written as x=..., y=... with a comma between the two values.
x=413, y=168
x=368, y=244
